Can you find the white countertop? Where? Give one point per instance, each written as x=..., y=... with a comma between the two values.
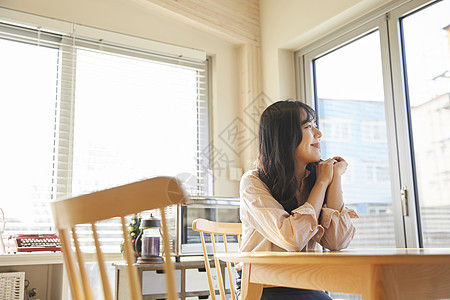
x=41, y=258
x=31, y=258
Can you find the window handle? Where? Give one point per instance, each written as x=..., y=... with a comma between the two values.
x=404, y=198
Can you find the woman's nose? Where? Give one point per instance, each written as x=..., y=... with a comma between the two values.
x=317, y=133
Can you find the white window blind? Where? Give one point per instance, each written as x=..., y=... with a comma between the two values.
x=82, y=115
x=135, y=115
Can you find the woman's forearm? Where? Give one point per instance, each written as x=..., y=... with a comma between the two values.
x=317, y=196
x=334, y=194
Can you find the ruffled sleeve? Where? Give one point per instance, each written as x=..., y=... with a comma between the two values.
x=339, y=229
x=307, y=211
x=263, y=213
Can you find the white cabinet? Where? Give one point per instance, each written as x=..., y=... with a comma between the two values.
x=43, y=270
x=196, y=280
x=191, y=280
x=154, y=282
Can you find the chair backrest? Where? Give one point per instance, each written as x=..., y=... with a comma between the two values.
x=121, y=201
x=219, y=228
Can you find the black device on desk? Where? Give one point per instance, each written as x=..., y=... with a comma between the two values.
x=33, y=242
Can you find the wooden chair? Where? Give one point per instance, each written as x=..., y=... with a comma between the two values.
x=121, y=201
x=220, y=228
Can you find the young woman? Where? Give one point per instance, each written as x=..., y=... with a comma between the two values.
x=293, y=200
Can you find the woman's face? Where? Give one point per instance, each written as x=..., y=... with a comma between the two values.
x=309, y=149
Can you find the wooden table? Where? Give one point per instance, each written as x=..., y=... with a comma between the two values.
x=375, y=274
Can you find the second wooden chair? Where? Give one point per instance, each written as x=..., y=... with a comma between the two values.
x=224, y=229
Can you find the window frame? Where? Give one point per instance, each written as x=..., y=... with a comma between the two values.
x=386, y=20
x=68, y=61
x=48, y=32
x=339, y=39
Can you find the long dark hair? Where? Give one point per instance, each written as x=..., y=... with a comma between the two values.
x=280, y=133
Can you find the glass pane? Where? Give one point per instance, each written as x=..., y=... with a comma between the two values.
x=28, y=85
x=350, y=106
x=426, y=47
x=351, y=112
x=134, y=119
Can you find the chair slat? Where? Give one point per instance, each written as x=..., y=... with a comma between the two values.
x=133, y=280
x=101, y=265
x=225, y=242
x=82, y=267
x=70, y=263
x=168, y=265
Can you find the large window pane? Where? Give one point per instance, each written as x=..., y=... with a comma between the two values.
x=74, y=120
x=134, y=119
x=28, y=78
x=426, y=47
x=351, y=113
x=350, y=106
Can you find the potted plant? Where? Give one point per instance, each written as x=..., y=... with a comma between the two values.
x=133, y=227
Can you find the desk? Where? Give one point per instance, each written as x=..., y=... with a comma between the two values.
x=379, y=274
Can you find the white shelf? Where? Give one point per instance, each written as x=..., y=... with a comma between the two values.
x=48, y=258
x=31, y=258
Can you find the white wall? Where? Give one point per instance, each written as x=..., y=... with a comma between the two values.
x=128, y=17
x=288, y=25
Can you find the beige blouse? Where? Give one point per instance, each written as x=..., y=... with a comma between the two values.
x=266, y=226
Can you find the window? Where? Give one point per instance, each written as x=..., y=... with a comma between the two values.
x=425, y=40
x=388, y=72
x=79, y=115
x=28, y=97
x=148, y=115
x=349, y=92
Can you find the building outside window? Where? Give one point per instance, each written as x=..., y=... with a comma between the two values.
x=373, y=131
x=337, y=129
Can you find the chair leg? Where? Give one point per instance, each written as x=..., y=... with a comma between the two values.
x=230, y=270
x=208, y=269
x=218, y=270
